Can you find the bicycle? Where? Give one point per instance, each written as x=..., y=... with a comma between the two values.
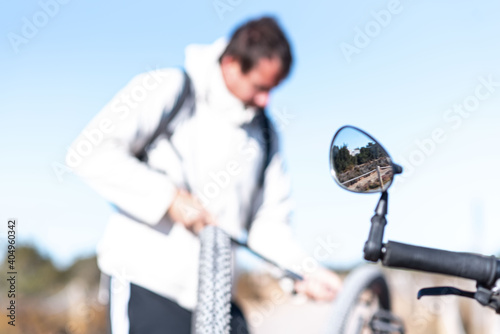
x=358, y=163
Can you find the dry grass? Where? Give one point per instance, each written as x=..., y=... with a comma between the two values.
x=269, y=310
x=74, y=309
x=62, y=313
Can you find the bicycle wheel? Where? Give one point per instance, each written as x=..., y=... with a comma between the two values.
x=365, y=292
x=212, y=313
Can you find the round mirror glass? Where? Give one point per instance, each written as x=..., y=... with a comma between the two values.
x=358, y=162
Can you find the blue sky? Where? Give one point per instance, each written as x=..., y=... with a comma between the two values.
x=409, y=68
x=352, y=138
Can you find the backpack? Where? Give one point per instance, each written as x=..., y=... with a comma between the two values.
x=169, y=116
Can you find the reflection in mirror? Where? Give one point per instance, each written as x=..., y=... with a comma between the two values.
x=358, y=162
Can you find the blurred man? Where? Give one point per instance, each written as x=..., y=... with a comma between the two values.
x=219, y=164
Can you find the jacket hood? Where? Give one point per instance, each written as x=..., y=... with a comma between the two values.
x=202, y=65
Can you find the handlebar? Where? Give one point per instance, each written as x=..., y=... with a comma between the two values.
x=484, y=269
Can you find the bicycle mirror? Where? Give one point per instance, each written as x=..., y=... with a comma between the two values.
x=359, y=163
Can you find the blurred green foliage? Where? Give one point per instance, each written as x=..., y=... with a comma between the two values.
x=37, y=274
x=343, y=160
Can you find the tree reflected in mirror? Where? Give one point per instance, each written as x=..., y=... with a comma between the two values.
x=359, y=163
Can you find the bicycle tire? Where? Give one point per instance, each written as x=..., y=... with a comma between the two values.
x=367, y=278
x=212, y=313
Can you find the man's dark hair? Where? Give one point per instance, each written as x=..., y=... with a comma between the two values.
x=257, y=39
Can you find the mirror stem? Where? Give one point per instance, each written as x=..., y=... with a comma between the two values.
x=379, y=174
x=381, y=209
x=373, y=246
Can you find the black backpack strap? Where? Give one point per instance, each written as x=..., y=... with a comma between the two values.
x=266, y=136
x=167, y=117
x=265, y=125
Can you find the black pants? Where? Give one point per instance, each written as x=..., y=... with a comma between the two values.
x=150, y=313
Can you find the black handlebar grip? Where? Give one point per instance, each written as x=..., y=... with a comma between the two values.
x=481, y=268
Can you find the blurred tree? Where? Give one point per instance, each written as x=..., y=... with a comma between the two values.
x=343, y=160
x=38, y=275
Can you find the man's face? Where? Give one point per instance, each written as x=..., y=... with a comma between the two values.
x=253, y=87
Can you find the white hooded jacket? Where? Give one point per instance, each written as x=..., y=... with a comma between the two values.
x=216, y=151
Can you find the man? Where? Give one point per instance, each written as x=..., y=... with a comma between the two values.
x=206, y=172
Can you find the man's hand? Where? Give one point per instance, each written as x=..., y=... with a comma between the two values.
x=188, y=211
x=320, y=285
